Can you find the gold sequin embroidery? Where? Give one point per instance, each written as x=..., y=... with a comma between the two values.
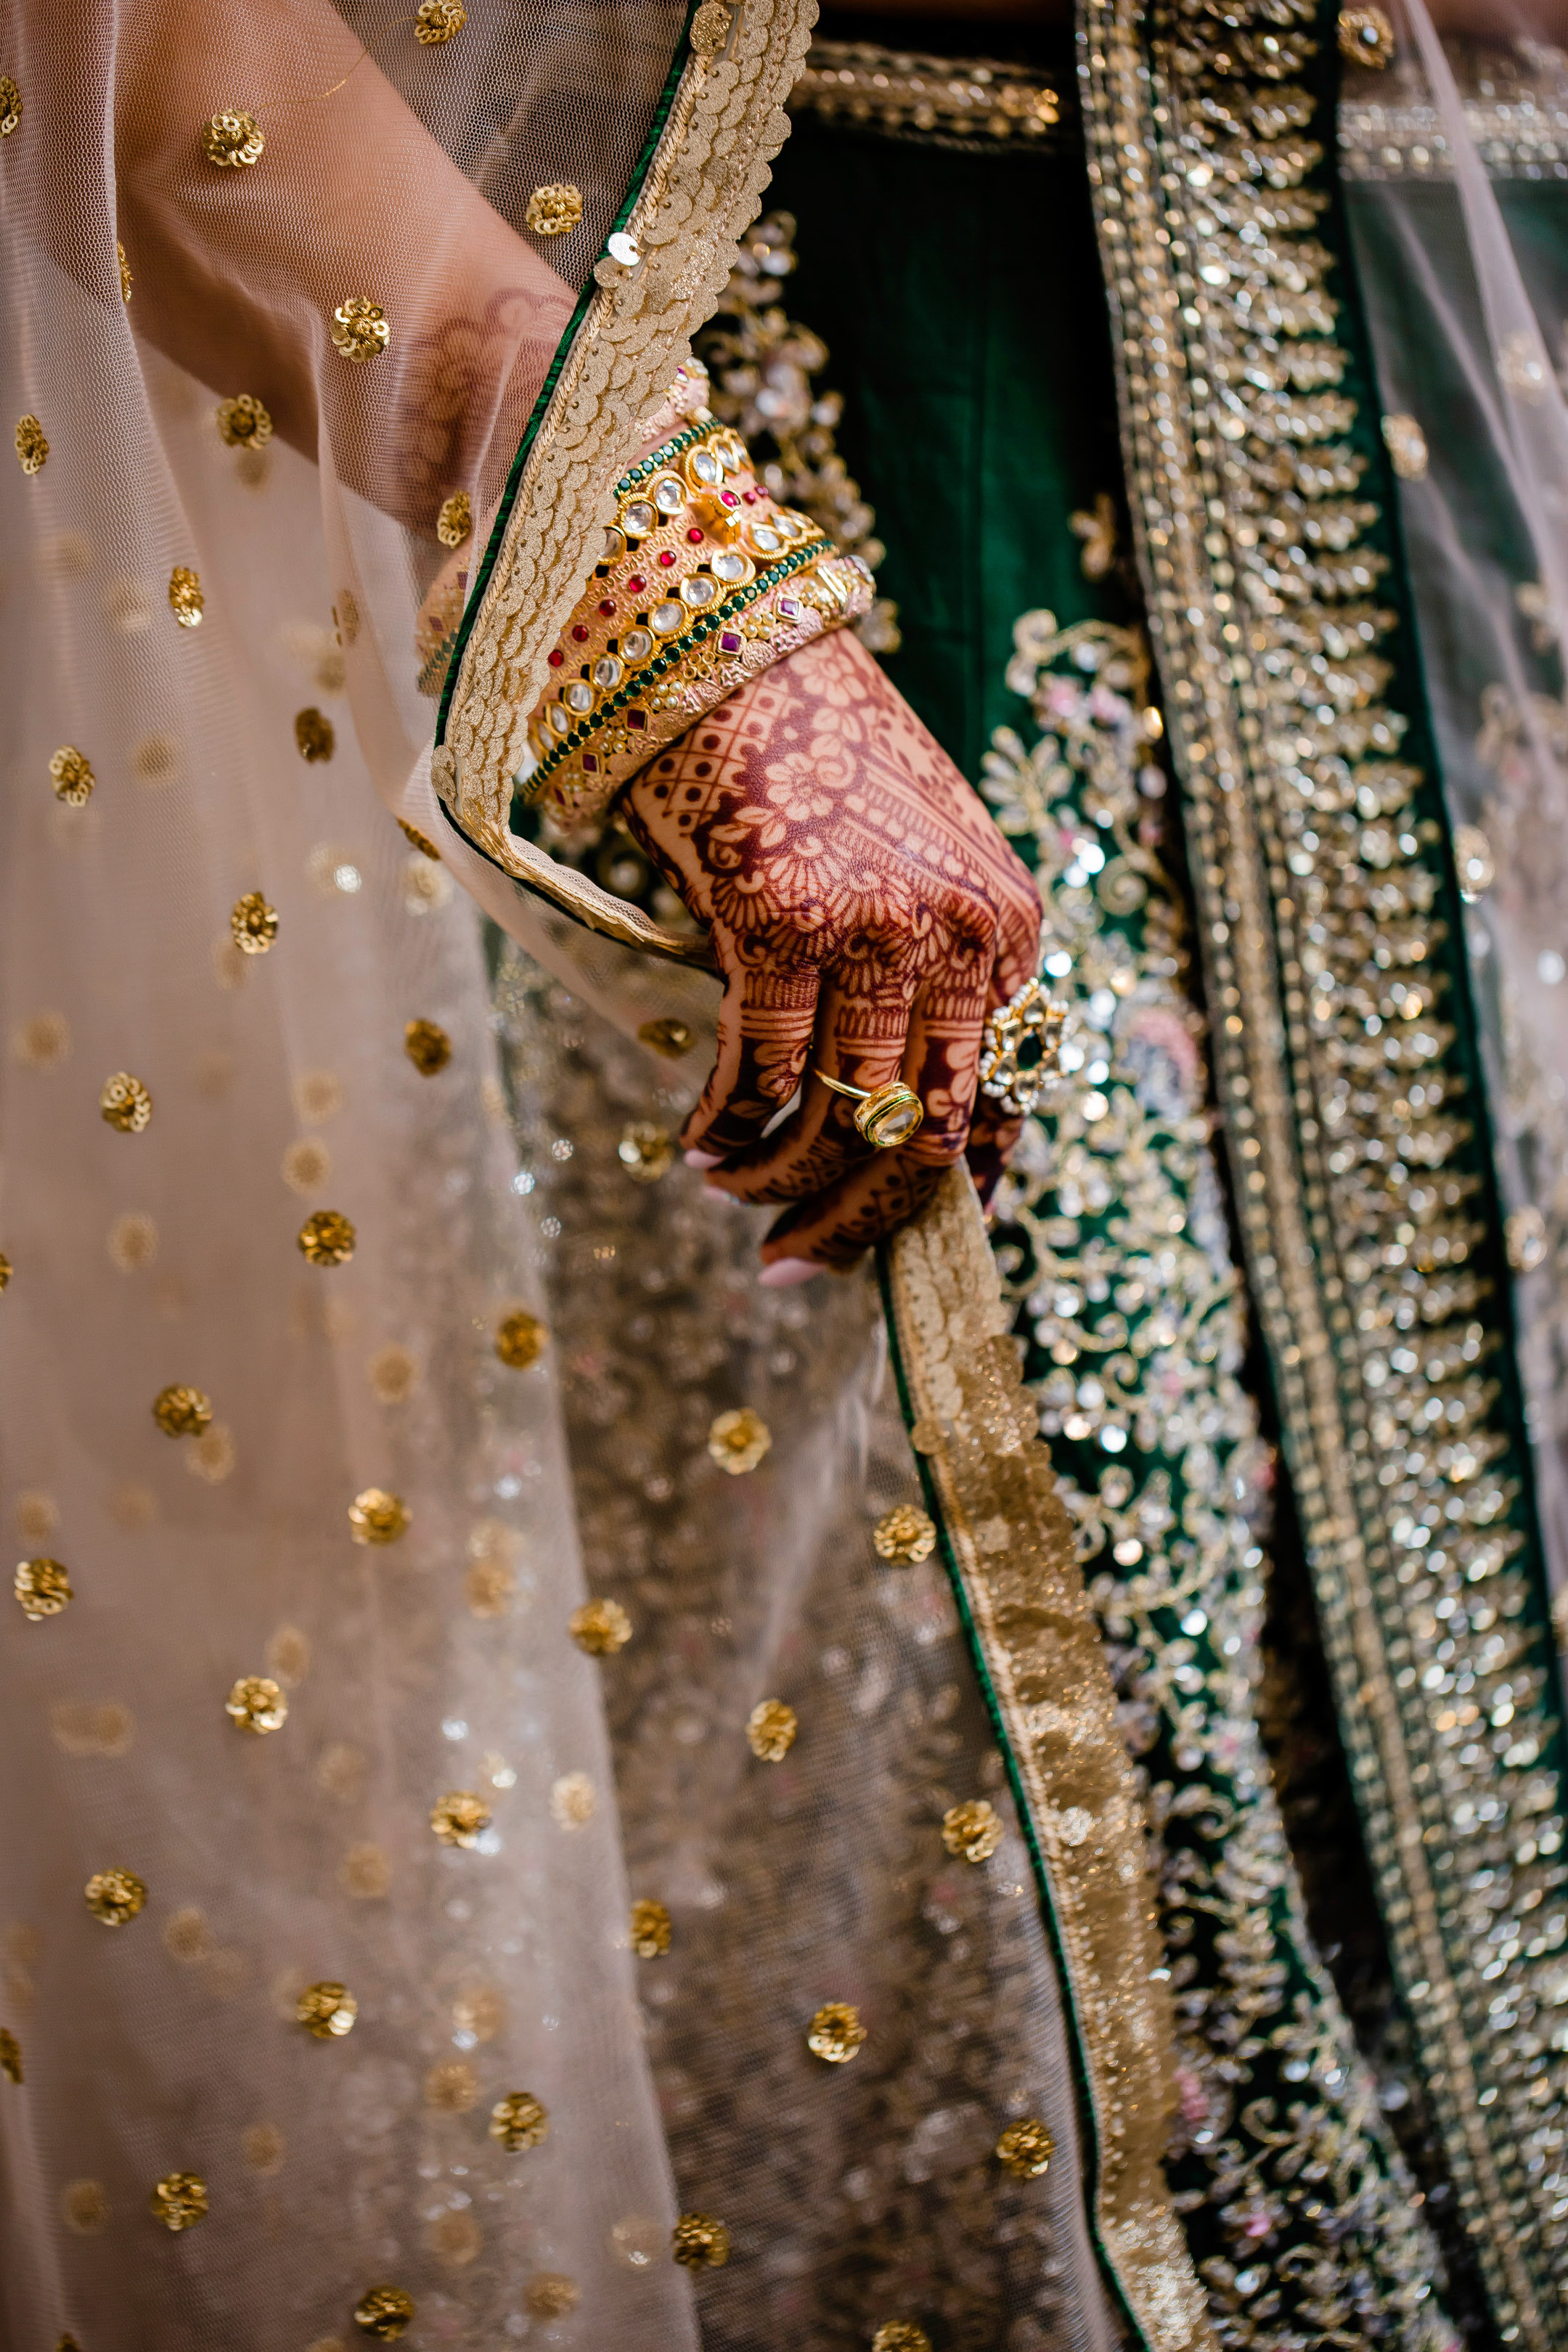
x=384, y=2311
x=738, y=1441
x=427, y=1046
x=650, y=1928
x=32, y=445
x=699, y=2242
x=646, y=1153
x=555, y=209
x=901, y=2335
x=232, y=139
x=1366, y=37
x=187, y=601
x=376, y=1516
x=551, y=2294
x=1026, y=2148
x=971, y=1832
x=10, y=2055
x=454, y=523
x=243, y=423
x=836, y=2032
x=126, y=280
x=114, y=1895
x=1406, y=447
x=421, y=841
x=360, y=329
x=460, y=1818
x=10, y=106
x=771, y=1730
x=253, y=923
x=180, y=2200
x=256, y=1705
x=181, y=1412
x=326, y=2010
x=43, y=1587
x=70, y=773
x=572, y=1800
x=670, y=1038
x=904, y=1535
x=327, y=1238
x=437, y=20
x=600, y=1627
x=520, y=1340
x=125, y=1103
x=314, y=736
x=519, y=2121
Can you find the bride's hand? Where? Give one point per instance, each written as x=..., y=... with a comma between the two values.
x=865, y=914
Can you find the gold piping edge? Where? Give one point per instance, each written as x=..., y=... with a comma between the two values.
x=710, y=166
x=1010, y=1543
x=1146, y=218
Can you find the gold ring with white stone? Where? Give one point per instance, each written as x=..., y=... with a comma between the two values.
x=1028, y=1017
x=887, y=1115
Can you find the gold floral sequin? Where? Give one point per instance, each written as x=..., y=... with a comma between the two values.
x=971, y=1832
x=314, y=736
x=187, y=601
x=126, y=280
x=253, y=923
x=738, y=1441
x=181, y=1412
x=243, y=423
x=327, y=1238
x=646, y=1153
x=437, y=20
x=771, y=1730
x=600, y=1627
x=454, y=522
x=384, y=2311
x=125, y=1103
x=519, y=2121
x=901, y=2335
x=460, y=1818
x=180, y=2200
x=32, y=445
x=114, y=1895
x=904, y=1535
x=555, y=208
x=360, y=329
x=427, y=1046
x=232, y=140
x=43, y=1587
x=520, y=1340
x=70, y=773
x=1026, y=2148
x=376, y=1516
x=699, y=2242
x=422, y=841
x=10, y=2055
x=836, y=2032
x=650, y=1928
x=256, y=1705
x=10, y=106
x=1366, y=37
x=326, y=2010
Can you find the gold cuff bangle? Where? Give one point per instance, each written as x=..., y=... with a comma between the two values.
x=887, y=1115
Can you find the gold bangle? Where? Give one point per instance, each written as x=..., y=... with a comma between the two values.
x=889, y=1115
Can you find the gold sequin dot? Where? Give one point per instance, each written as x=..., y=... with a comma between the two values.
x=10, y=106
x=5, y=1270
x=37, y=1515
x=437, y=20
x=181, y=1412
x=243, y=423
x=836, y=2032
x=904, y=1535
x=710, y=28
x=699, y=2242
x=256, y=1705
x=185, y=599
x=771, y=1730
x=70, y=773
x=43, y=1587
x=365, y=1873
x=460, y=1818
x=186, y=1936
x=307, y=1165
x=456, y=519
x=263, y=2148
x=646, y=1153
x=738, y=1441
x=901, y=2335
x=180, y=2200
x=971, y=1832
x=519, y=2121
x=10, y=2055
x=114, y=1895
x=666, y=1038
x=232, y=139
x=326, y=2010
x=1026, y=2148
x=125, y=1103
x=126, y=281
x=85, y=2206
x=551, y=2294
x=555, y=209
x=427, y=1046
x=600, y=1627
x=422, y=841
x=488, y=1589
x=132, y=1242
x=313, y=735
x=453, y=2088
x=520, y=1340
x=650, y=1928
x=32, y=445
x=572, y=1800
x=384, y=2311
x=360, y=329
x=1525, y=1238
x=42, y=1040
x=157, y=759
x=327, y=1238
x=1366, y=37
x=378, y=1516
x=253, y=923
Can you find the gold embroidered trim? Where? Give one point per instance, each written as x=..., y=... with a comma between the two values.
x=1012, y=1542
x=701, y=191
x=949, y=102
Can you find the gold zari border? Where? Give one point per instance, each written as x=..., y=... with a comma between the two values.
x=1010, y=1543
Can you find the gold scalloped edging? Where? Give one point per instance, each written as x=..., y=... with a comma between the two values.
x=709, y=168
x=1010, y=1544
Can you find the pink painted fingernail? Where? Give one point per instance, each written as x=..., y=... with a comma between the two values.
x=785, y=1272
x=703, y=1158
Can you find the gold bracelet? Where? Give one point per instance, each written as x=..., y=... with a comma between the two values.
x=889, y=1115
